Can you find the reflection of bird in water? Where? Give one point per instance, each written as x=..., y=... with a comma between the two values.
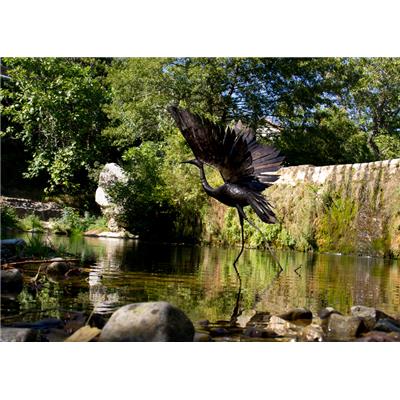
x=246, y=166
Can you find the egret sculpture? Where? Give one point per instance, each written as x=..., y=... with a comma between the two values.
x=246, y=166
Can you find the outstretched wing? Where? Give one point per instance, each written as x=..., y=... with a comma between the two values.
x=235, y=152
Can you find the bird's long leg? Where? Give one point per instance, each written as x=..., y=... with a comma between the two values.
x=241, y=212
x=241, y=250
x=235, y=312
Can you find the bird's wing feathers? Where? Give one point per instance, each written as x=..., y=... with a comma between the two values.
x=234, y=151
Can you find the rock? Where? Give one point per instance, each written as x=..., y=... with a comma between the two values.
x=219, y=332
x=297, y=314
x=245, y=317
x=368, y=314
x=327, y=312
x=11, y=280
x=257, y=332
x=280, y=327
x=58, y=267
x=17, y=335
x=376, y=336
x=201, y=337
x=148, y=322
x=11, y=248
x=120, y=234
x=260, y=318
x=344, y=328
x=387, y=325
x=110, y=174
x=312, y=333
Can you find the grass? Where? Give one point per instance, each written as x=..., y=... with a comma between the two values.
x=37, y=247
x=72, y=223
x=31, y=223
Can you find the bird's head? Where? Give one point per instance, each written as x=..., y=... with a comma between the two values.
x=195, y=162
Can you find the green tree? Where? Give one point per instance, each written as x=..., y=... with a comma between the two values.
x=313, y=100
x=54, y=107
x=374, y=105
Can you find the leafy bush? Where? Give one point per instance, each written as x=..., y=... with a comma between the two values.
x=31, y=223
x=72, y=222
x=9, y=217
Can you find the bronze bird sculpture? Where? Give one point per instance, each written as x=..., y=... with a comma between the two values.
x=246, y=166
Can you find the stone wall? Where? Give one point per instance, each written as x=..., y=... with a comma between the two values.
x=336, y=174
x=25, y=207
x=349, y=209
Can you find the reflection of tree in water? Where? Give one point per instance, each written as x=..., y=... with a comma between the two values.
x=202, y=282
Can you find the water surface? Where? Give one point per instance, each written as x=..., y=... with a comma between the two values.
x=202, y=282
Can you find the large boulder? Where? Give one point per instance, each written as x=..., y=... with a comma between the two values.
x=109, y=175
x=148, y=322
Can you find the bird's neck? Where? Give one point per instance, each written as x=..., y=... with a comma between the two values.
x=208, y=189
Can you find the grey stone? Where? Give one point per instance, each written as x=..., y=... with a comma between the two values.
x=367, y=314
x=17, y=335
x=109, y=175
x=342, y=328
x=245, y=317
x=312, y=333
x=148, y=322
x=258, y=332
x=281, y=327
x=260, y=318
x=57, y=267
x=11, y=280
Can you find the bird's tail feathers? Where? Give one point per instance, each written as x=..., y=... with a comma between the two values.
x=262, y=208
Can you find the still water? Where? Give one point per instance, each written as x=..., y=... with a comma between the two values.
x=202, y=282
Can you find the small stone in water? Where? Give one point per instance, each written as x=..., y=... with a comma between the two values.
x=344, y=327
x=201, y=337
x=57, y=267
x=376, y=336
x=281, y=327
x=218, y=331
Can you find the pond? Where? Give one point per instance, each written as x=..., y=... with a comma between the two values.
x=202, y=282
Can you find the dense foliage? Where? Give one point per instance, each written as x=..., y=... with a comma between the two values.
x=54, y=107
x=74, y=115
